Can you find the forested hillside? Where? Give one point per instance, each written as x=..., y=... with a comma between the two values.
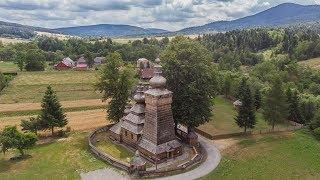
x=287, y=14
x=20, y=31
x=109, y=30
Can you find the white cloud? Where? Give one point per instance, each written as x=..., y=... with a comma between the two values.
x=167, y=14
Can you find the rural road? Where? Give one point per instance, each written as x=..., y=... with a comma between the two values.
x=205, y=168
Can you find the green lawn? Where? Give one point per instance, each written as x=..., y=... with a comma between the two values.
x=223, y=121
x=69, y=85
x=115, y=150
x=290, y=156
x=8, y=67
x=64, y=159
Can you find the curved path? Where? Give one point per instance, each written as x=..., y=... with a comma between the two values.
x=212, y=161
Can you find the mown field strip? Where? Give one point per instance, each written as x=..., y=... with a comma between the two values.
x=29, y=87
x=36, y=106
x=78, y=120
x=36, y=112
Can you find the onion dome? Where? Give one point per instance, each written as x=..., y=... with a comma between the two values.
x=127, y=109
x=158, y=81
x=139, y=96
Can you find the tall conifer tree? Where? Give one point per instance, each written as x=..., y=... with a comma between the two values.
x=51, y=113
x=294, y=110
x=257, y=99
x=246, y=114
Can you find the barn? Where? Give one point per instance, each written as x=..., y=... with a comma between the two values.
x=64, y=64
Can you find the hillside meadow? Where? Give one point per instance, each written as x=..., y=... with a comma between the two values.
x=293, y=155
x=223, y=122
x=313, y=63
x=29, y=87
x=7, y=67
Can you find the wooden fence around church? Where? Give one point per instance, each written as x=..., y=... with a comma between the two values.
x=248, y=133
x=105, y=157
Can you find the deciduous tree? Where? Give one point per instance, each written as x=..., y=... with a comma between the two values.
x=115, y=83
x=275, y=105
x=191, y=77
x=12, y=138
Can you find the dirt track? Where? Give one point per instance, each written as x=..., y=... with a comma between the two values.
x=83, y=120
x=35, y=106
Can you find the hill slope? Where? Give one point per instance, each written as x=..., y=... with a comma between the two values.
x=110, y=30
x=283, y=14
x=8, y=29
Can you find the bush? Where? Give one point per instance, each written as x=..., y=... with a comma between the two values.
x=315, y=123
x=35, y=60
x=3, y=81
x=316, y=133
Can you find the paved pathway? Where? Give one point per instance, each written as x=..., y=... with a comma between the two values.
x=205, y=168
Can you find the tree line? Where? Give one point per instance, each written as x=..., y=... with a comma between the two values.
x=33, y=56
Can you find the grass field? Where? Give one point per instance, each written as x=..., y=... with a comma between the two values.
x=115, y=150
x=63, y=159
x=12, y=40
x=69, y=85
x=283, y=156
x=223, y=121
x=314, y=63
x=8, y=67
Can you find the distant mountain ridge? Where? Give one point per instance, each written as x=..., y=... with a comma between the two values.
x=283, y=14
x=110, y=30
x=8, y=29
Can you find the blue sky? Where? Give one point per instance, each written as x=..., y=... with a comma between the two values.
x=166, y=14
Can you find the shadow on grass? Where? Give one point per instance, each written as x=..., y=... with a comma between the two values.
x=6, y=164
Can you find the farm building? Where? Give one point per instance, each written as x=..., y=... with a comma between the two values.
x=65, y=64
x=82, y=64
x=99, y=60
x=145, y=69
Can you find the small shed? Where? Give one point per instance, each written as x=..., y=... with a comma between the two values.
x=237, y=104
x=99, y=60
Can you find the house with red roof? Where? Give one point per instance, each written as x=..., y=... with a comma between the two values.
x=82, y=64
x=65, y=64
